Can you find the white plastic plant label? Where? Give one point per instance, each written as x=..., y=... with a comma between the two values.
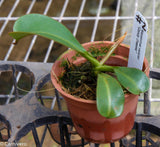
x=138, y=41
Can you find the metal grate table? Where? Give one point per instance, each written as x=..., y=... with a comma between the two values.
x=89, y=20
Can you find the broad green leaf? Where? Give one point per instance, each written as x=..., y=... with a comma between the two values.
x=110, y=96
x=47, y=27
x=134, y=80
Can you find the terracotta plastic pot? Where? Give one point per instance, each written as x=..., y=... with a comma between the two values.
x=87, y=121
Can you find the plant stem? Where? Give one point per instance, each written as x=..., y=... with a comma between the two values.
x=112, y=49
x=90, y=58
x=105, y=68
x=99, y=65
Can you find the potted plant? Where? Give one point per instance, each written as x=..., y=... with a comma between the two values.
x=110, y=116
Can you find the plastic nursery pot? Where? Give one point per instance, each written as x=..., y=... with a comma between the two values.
x=89, y=124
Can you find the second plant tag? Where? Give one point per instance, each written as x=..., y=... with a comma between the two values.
x=138, y=41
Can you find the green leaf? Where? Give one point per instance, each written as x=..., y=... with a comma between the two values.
x=37, y=24
x=110, y=96
x=134, y=80
x=47, y=27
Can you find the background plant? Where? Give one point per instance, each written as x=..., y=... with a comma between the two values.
x=109, y=93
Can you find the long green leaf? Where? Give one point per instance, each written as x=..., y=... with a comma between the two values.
x=47, y=27
x=110, y=96
x=134, y=80
x=37, y=24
